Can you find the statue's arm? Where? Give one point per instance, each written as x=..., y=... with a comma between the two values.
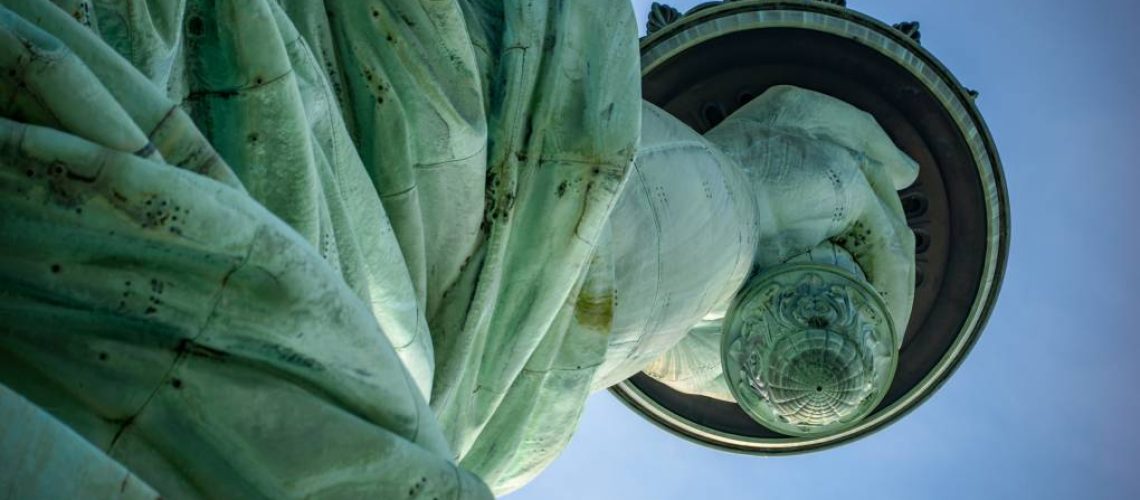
x=684, y=234
x=799, y=169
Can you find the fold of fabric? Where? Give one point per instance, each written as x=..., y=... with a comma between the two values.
x=228, y=226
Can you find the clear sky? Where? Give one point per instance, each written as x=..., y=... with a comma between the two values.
x=1047, y=405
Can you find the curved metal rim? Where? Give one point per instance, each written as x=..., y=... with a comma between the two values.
x=732, y=17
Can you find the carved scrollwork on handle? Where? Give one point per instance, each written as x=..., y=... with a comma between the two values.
x=808, y=349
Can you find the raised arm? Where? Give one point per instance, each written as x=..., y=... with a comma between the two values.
x=789, y=171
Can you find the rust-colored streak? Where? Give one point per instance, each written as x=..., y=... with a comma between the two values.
x=594, y=310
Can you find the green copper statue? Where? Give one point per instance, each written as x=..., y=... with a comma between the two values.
x=290, y=248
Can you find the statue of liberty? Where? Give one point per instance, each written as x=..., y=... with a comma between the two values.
x=292, y=248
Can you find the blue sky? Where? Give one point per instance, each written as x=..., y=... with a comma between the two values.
x=1048, y=403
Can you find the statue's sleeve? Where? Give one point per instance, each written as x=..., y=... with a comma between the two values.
x=449, y=164
x=497, y=134
x=684, y=231
x=155, y=305
x=41, y=450
x=411, y=93
x=525, y=326
x=232, y=89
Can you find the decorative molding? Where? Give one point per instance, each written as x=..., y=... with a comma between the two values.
x=808, y=349
x=911, y=29
x=705, y=5
x=660, y=16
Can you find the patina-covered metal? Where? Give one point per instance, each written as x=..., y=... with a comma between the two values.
x=388, y=248
x=703, y=67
